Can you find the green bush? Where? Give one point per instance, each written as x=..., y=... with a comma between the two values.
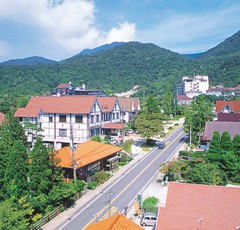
x=92, y=185
x=100, y=177
x=149, y=204
x=97, y=138
x=122, y=163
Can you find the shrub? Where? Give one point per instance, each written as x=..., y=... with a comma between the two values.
x=149, y=204
x=97, y=138
x=92, y=185
x=127, y=146
x=100, y=177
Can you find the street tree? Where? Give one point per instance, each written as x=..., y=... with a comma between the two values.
x=197, y=114
x=149, y=125
x=226, y=143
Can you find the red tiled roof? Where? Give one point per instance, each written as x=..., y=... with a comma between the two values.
x=107, y=103
x=220, y=89
x=27, y=112
x=64, y=104
x=86, y=153
x=116, y=222
x=2, y=116
x=203, y=207
x=235, y=106
x=129, y=103
x=184, y=98
x=210, y=126
x=114, y=126
x=238, y=86
x=63, y=86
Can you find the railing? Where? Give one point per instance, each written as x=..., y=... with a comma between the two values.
x=52, y=214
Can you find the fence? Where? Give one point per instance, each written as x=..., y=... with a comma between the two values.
x=52, y=214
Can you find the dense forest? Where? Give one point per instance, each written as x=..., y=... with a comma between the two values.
x=119, y=68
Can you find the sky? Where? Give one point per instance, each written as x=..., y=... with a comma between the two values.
x=59, y=29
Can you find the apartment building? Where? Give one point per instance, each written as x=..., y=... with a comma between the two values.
x=192, y=86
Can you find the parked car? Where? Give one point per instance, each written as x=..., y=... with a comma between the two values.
x=148, y=219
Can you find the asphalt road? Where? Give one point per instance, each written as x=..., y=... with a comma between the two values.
x=124, y=191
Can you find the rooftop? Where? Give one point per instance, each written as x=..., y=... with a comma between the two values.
x=194, y=206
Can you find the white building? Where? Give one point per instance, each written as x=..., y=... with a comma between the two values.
x=193, y=86
x=64, y=118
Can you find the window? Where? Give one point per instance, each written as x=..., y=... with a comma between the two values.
x=91, y=119
x=62, y=118
x=50, y=119
x=62, y=132
x=79, y=119
x=117, y=115
x=113, y=116
x=97, y=118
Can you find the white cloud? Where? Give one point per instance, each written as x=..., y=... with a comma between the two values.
x=125, y=32
x=178, y=31
x=68, y=23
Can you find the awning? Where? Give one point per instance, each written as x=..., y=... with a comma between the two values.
x=114, y=126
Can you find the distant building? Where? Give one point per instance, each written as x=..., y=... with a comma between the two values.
x=221, y=91
x=184, y=100
x=69, y=89
x=130, y=107
x=192, y=86
x=200, y=207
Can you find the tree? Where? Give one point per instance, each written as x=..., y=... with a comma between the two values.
x=236, y=145
x=226, y=143
x=15, y=179
x=214, y=152
x=167, y=103
x=197, y=114
x=40, y=172
x=149, y=125
x=204, y=173
x=10, y=131
x=10, y=218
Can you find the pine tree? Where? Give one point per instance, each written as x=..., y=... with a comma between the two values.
x=40, y=169
x=226, y=142
x=15, y=179
x=214, y=152
x=236, y=145
x=10, y=131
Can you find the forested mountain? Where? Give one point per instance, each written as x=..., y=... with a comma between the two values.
x=100, y=48
x=28, y=61
x=119, y=68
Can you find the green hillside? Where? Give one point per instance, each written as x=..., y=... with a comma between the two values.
x=118, y=69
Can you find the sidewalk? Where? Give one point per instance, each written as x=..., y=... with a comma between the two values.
x=151, y=190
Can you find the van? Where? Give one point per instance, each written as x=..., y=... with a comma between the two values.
x=148, y=219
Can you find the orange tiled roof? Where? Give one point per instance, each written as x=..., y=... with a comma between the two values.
x=27, y=112
x=190, y=205
x=107, y=103
x=116, y=222
x=2, y=116
x=64, y=104
x=235, y=106
x=86, y=153
x=127, y=102
x=114, y=126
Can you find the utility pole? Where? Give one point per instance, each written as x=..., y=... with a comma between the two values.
x=109, y=200
x=74, y=163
